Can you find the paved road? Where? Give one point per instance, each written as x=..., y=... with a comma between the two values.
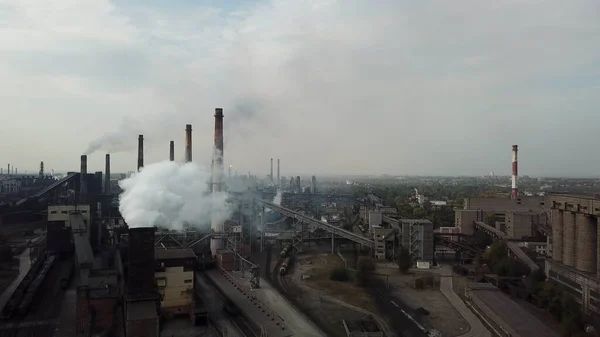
x=477, y=328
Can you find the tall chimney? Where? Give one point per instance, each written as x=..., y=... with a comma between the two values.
x=278, y=177
x=8, y=171
x=107, y=174
x=83, y=179
x=229, y=172
x=271, y=174
x=140, y=152
x=188, y=143
x=172, y=151
x=216, y=225
x=515, y=172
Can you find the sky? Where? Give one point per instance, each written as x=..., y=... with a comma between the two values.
x=349, y=87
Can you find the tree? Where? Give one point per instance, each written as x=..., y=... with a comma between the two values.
x=404, y=260
x=419, y=212
x=496, y=252
x=364, y=269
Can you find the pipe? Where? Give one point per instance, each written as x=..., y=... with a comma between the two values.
x=515, y=173
x=107, y=174
x=172, y=151
x=188, y=143
x=278, y=176
x=271, y=174
x=140, y=152
x=83, y=179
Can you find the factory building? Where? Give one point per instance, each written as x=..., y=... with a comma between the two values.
x=574, y=247
x=417, y=237
x=175, y=280
x=523, y=224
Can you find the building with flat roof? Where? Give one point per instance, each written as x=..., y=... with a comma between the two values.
x=175, y=279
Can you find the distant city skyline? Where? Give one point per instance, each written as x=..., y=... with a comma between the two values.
x=348, y=87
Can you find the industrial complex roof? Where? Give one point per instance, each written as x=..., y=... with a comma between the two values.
x=174, y=253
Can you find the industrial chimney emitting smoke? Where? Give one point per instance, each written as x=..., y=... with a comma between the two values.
x=217, y=173
x=172, y=151
x=140, y=152
x=188, y=143
x=515, y=173
x=107, y=174
x=271, y=174
x=83, y=179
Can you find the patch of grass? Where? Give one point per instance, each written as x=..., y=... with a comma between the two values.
x=346, y=291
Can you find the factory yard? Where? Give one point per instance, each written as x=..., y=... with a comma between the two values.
x=324, y=298
x=443, y=316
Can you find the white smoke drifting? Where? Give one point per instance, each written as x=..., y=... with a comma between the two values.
x=277, y=198
x=170, y=195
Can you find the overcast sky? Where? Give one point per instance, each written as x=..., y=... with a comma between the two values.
x=386, y=86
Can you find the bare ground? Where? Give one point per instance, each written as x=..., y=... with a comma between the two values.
x=443, y=316
x=309, y=290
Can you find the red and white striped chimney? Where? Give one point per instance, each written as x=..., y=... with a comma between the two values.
x=515, y=173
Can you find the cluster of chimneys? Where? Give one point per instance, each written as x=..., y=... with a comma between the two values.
x=217, y=157
x=278, y=181
x=14, y=170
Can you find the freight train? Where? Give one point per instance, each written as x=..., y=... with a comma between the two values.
x=285, y=265
x=35, y=286
x=14, y=301
x=285, y=251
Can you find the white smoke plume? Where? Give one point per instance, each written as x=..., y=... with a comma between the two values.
x=278, y=197
x=170, y=195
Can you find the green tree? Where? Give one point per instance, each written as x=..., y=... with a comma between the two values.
x=419, y=212
x=364, y=268
x=404, y=260
x=496, y=252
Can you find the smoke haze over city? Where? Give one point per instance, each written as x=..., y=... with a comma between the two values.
x=396, y=87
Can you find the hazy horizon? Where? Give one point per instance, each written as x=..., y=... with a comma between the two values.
x=417, y=87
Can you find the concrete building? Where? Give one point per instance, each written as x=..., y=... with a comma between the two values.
x=384, y=241
x=10, y=185
x=465, y=218
x=62, y=212
x=375, y=218
x=175, y=280
x=575, y=249
x=523, y=224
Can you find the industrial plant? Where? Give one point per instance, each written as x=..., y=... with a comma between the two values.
x=229, y=273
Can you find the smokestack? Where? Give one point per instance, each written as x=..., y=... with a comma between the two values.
x=271, y=175
x=83, y=179
x=140, y=152
x=229, y=172
x=8, y=171
x=107, y=175
x=515, y=173
x=217, y=226
x=172, y=151
x=278, y=177
x=188, y=143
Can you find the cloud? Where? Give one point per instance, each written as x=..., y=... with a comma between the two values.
x=327, y=86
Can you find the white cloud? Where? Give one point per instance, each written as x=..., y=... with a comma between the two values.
x=327, y=86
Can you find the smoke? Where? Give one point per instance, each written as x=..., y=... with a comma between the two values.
x=170, y=195
x=122, y=139
x=278, y=197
